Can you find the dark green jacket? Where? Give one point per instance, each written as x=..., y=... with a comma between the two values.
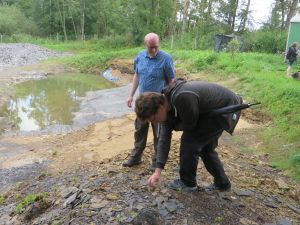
x=190, y=104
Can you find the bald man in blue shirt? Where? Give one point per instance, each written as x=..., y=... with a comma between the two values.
x=154, y=70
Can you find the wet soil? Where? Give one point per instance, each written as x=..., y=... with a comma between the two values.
x=82, y=175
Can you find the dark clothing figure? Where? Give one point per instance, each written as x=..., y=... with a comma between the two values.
x=292, y=55
x=190, y=104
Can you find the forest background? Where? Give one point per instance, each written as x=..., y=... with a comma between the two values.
x=188, y=24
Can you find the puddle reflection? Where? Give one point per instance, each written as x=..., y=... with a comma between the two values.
x=41, y=103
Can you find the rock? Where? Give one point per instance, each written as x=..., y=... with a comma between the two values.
x=246, y=221
x=112, y=197
x=65, y=193
x=128, y=219
x=281, y=184
x=97, y=183
x=70, y=200
x=141, y=200
x=163, y=212
x=171, y=206
x=98, y=205
x=184, y=222
x=279, y=200
x=147, y=217
x=96, y=199
x=294, y=208
x=93, y=175
x=112, y=171
x=271, y=204
x=130, y=203
x=242, y=193
x=283, y=222
x=159, y=200
x=140, y=206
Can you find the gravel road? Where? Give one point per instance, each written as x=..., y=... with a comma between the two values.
x=12, y=55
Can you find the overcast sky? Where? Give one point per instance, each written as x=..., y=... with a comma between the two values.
x=261, y=10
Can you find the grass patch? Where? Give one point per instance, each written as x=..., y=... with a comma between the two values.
x=29, y=199
x=2, y=199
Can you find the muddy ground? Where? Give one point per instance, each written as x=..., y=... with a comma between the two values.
x=78, y=177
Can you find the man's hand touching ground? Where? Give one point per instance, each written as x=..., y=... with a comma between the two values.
x=154, y=180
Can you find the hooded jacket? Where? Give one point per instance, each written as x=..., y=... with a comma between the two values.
x=190, y=104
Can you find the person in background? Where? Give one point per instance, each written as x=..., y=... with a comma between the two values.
x=186, y=106
x=291, y=57
x=154, y=70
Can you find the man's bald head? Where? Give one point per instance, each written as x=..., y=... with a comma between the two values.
x=151, y=42
x=151, y=39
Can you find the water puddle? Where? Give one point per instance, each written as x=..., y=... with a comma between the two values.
x=52, y=101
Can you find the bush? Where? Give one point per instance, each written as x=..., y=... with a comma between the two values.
x=233, y=46
x=205, y=60
x=271, y=41
x=13, y=21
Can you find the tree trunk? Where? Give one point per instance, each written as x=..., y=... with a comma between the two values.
x=209, y=8
x=64, y=21
x=234, y=12
x=282, y=7
x=186, y=6
x=82, y=20
x=292, y=10
x=73, y=23
x=245, y=18
x=62, y=18
x=50, y=17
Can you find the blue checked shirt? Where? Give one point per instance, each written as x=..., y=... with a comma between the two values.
x=155, y=72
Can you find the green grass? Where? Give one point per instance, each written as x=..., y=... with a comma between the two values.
x=261, y=77
x=2, y=199
x=21, y=206
x=86, y=58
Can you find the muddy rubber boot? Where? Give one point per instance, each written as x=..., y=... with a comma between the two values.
x=178, y=185
x=132, y=161
x=214, y=186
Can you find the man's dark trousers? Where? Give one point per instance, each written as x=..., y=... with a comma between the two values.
x=140, y=139
x=190, y=149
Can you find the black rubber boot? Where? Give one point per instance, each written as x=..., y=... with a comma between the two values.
x=214, y=186
x=132, y=161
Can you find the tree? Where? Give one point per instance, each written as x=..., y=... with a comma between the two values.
x=185, y=12
x=292, y=8
x=60, y=4
x=13, y=21
x=244, y=17
x=82, y=7
x=282, y=13
x=227, y=12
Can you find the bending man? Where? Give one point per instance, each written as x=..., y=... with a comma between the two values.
x=185, y=106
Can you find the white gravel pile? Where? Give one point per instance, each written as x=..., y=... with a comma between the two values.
x=12, y=55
